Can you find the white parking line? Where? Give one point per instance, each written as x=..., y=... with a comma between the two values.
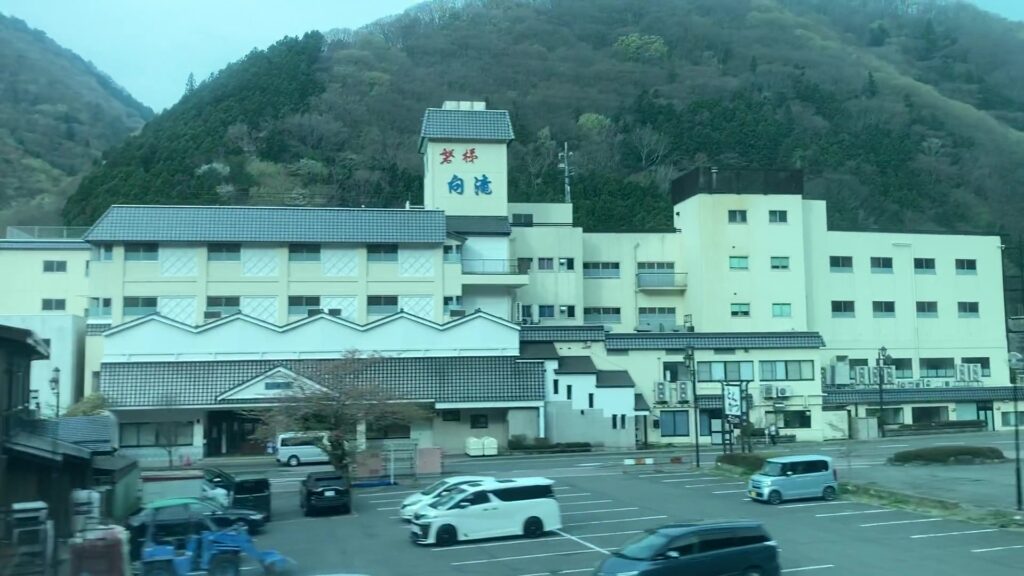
x=667, y=474
x=582, y=475
x=571, y=495
x=900, y=522
x=585, y=502
x=715, y=484
x=597, y=511
x=811, y=504
x=389, y=493
x=895, y=446
x=955, y=533
x=692, y=479
x=387, y=500
x=998, y=548
x=561, y=572
x=528, y=556
x=584, y=542
x=805, y=568
x=948, y=443
x=512, y=542
x=729, y=492
x=392, y=508
x=563, y=487
x=851, y=513
x=614, y=521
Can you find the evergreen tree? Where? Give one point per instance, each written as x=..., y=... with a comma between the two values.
x=190, y=84
x=870, y=86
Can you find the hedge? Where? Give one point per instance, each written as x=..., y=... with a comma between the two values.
x=750, y=462
x=943, y=454
x=519, y=442
x=948, y=425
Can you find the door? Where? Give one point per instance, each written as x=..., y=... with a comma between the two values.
x=678, y=557
x=476, y=516
x=985, y=415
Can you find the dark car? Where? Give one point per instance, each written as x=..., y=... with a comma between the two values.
x=185, y=508
x=704, y=548
x=325, y=491
x=245, y=489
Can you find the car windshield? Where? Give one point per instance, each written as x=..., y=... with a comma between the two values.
x=448, y=499
x=436, y=486
x=644, y=547
x=771, y=469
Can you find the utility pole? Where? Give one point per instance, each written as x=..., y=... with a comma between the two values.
x=884, y=359
x=563, y=162
x=696, y=407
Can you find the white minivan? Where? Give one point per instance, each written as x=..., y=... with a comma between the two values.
x=489, y=509
x=414, y=502
x=294, y=448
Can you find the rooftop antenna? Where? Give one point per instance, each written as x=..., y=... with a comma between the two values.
x=563, y=162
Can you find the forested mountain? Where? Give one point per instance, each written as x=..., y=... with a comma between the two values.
x=57, y=114
x=902, y=113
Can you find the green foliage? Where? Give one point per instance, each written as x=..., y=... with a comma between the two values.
x=91, y=405
x=748, y=461
x=944, y=454
x=519, y=442
x=642, y=47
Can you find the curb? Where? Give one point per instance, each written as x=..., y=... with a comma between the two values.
x=651, y=461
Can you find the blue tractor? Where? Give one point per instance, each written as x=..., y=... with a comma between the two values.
x=178, y=546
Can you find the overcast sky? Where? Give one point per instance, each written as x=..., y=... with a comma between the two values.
x=150, y=46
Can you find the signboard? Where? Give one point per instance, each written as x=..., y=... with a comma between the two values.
x=732, y=399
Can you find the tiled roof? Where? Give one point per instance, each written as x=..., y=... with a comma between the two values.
x=467, y=125
x=614, y=379
x=441, y=379
x=268, y=224
x=90, y=432
x=640, y=404
x=562, y=334
x=96, y=328
x=537, y=351
x=897, y=395
x=713, y=340
x=576, y=365
x=479, y=225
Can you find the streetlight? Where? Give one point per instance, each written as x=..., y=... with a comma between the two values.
x=696, y=407
x=883, y=360
x=55, y=388
x=1016, y=365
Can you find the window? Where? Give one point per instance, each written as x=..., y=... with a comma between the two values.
x=737, y=216
x=739, y=310
x=718, y=371
x=929, y=414
x=664, y=267
x=141, y=252
x=304, y=253
x=568, y=391
x=674, y=423
x=225, y=305
x=782, y=310
x=927, y=309
x=566, y=311
x=1009, y=418
x=657, y=316
x=382, y=253
x=738, y=263
x=889, y=415
x=451, y=416
x=224, y=252
x=842, y=309
x=522, y=219
x=452, y=303
x=566, y=264
x=545, y=311
x=453, y=253
x=840, y=263
x=778, y=216
x=793, y=419
x=554, y=387
x=780, y=262
x=521, y=493
x=602, y=315
x=904, y=367
x=526, y=311
x=278, y=385
x=966, y=266
x=786, y=370
x=937, y=367
x=55, y=265
x=883, y=309
x=600, y=269
x=99, y=308
x=54, y=304
x=615, y=422
x=156, y=434
x=381, y=305
x=881, y=265
x=102, y=253
x=524, y=264
x=590, y=400
x=967, y=309
x=139, y=305
x=478, y=421
x=986, y=366
x=924, y=265
x=301, y=305
x=545, y=263
x=388, y=431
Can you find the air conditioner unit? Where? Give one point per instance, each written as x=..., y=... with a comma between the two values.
x=874, y=375
x=901, y=384
x=661, y=391
x=313, y=312
x=963, y=372
x=457, y=312
x=975, y=371
x=336, y=312
x=518, y=307
x=644, y=328
x=212, y=314
x=525, y=321
x=926, y=383
x=842, y=359
x=862, y=375
x=782, y=392
x=890, y=373
x=767, y=391
x=682, y=392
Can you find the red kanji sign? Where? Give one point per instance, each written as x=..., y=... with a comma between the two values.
x=447, y=154
x=469, y=155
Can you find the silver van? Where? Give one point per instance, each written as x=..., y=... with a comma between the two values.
x=792, y=477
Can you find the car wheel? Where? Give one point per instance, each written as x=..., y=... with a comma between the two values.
x=533, y=527
x=829, y=493
x=346, y=509
x=223, y=565
x=306, y=511
x=446, y=535
x=752, y=571
x=775, y=497
x=293, y=461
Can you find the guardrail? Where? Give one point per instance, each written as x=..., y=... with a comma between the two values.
x=489, y=266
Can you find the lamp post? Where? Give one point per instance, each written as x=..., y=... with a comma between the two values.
x=692, y=365
x=55, y=388
x=881, y=362
x=1016, y=441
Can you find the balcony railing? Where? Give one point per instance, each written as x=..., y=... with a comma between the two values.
x=46, y=232
x=661, y=280
x=493, y=267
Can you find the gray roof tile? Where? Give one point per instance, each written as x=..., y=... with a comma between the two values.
x=268, y=224
x=94, y=433
x=640, y=403
x=614, y=379
x=713, y=340
x=467, y=125
x=441, y=379
x=576, y=365
x=835, y=397
x=562, y=334
x=537, y=351
x=479, y=225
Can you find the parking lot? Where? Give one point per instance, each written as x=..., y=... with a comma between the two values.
x=604, y=506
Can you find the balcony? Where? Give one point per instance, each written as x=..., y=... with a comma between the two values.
x=494, y=272
x=661, y=281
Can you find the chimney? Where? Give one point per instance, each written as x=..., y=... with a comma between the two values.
x=714, y=177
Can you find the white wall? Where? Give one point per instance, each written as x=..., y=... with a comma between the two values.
x=156, y=457
x=485, y=248
x=492, y=161
x=495, y=300
x=66, y=333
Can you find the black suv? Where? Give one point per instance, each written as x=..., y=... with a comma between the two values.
x=706, y=548
x=324, y=491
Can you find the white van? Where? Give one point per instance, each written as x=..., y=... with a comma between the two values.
x=489, y=509
x=414, y=502
x=294, y=448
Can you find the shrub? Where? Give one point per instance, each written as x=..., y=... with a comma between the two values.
x=517, y=442
x=943, y=454
x=750, y=462
x=545, y=445
x=948, y=425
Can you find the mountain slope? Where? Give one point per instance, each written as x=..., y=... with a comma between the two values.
x=902, y=113
x=57, y=113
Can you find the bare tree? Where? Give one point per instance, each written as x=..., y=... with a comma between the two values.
x=169, y=434
x=345, y=396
